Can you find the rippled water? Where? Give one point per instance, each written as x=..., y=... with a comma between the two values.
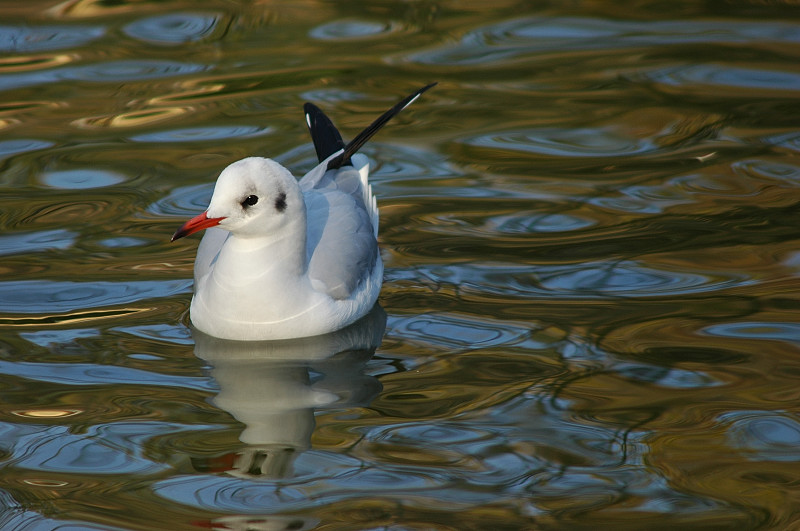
x=590, y=317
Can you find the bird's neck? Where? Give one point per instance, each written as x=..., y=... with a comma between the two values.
x=256, y=283
x=280, y=256
x=251, y=269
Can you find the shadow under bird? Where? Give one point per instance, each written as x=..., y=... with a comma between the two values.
x=283, y=258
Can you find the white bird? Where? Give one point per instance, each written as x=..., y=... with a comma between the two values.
x=283, y=258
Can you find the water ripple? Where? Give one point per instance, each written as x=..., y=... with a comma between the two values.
x=105, y=449
x=265, y=497
x=52, y=297
x=122, y=242
x=404, y=171
x=17, y=146
x=167, y=333
x=431, y=445
x=770, y=171
x=80, y=374
x=19, y=516
x=135, y=118
x=40, y=38
x=81, y=179
x=533, y=222
x=786, y=140
x=455, y=331
x=673, y=378
x=30, y=242
x=183, y=201
x=109, y=71
x=586, y=280
x=726, y=76
x=174, y=28
x=571, y=142
x=504, y=42
x=630, y=279
x=132, y=70
x=764, y=435
x=229, y=494
x=789, y=332
x=352, y=29
x=203, y=134
x=332, y=96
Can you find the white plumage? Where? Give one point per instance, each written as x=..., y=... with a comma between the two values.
x=284, y=258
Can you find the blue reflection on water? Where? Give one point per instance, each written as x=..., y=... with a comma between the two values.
x=173, y=28
x=166, y=332
x=727, y=76
x=21, y=145
x=623, y=278
x=40, y=296
x=97, y=374
x=456, y=331
x=184, y=200
x=197, y=134
x=122, y=70
x=39, y=38
x=351, y=29
x=112, y=448
x=764, y=435
x=29, y=242
x=789, y=332
x=48, y=338
x=574, y=142
x=81, y=178
x=530, y=38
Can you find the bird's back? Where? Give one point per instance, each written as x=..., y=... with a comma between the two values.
x=342, y=217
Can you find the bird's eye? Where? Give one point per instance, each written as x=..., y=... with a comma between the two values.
x=250, y=200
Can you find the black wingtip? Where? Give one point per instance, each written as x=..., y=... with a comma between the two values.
x=355, y=144
x=324, y=135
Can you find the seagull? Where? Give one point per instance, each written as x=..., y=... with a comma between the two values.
x=283, y=258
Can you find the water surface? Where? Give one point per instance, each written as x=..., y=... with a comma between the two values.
x=590, y=228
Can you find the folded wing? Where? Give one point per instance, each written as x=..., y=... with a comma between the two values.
x=342, y=212
x=342, y=226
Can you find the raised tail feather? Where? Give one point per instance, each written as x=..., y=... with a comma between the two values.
x=324, y=134
x=328, y=141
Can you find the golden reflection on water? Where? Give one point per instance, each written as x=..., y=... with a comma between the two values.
x=23, y=63
x=73, y=318
x=92, y=8
x=47, y=413
x=133, y=118
x=47, y=483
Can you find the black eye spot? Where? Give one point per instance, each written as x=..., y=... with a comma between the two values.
x=280, y=202
x=250, y=200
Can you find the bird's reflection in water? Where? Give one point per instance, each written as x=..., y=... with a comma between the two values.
x=274, y=387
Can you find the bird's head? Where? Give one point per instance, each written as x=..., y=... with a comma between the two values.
x=253, y=197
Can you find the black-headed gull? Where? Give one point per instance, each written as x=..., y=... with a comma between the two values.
x=283, y=258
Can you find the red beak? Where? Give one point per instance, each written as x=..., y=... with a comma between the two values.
x=195, y=224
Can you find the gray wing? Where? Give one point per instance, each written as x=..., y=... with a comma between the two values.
x=342, y=247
